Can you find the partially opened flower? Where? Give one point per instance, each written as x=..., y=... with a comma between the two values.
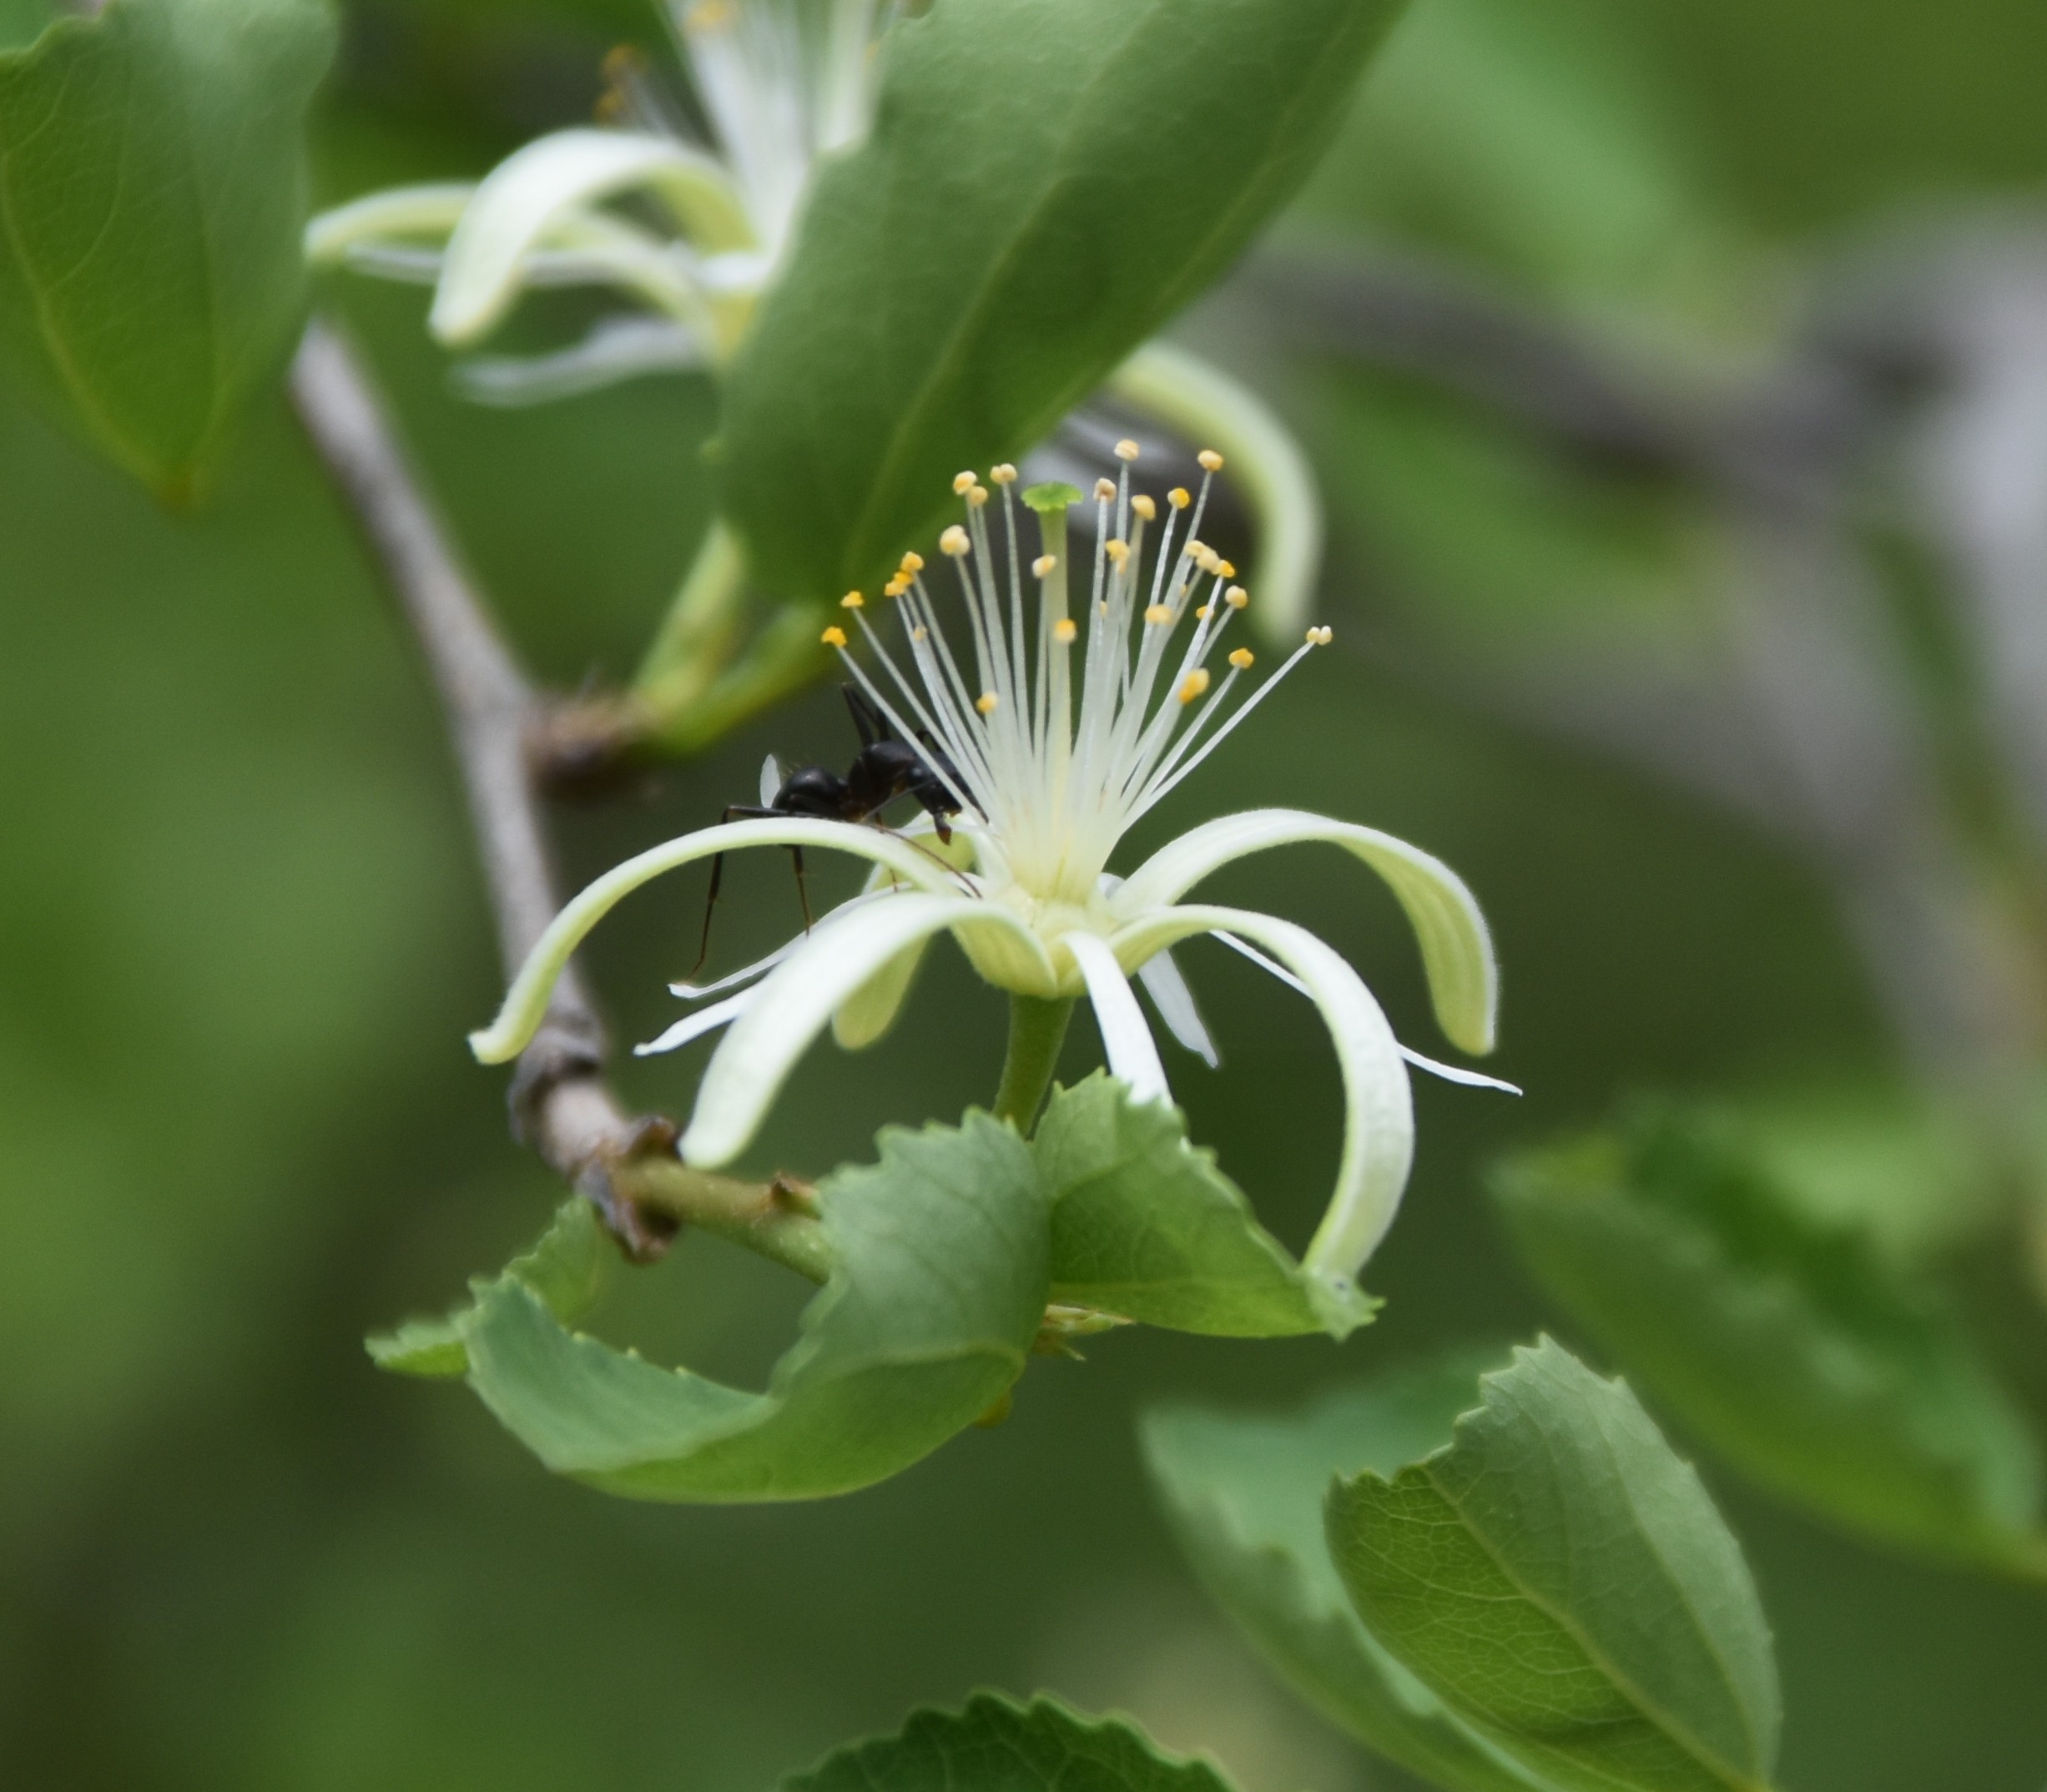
x=1069, y=711
x=778, y=85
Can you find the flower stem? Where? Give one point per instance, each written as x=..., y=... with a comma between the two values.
x=1037, y=1029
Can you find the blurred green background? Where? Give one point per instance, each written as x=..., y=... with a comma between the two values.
x=241, y=937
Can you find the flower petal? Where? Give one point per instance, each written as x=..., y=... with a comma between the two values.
x=616, y=349
x=1126, y=1035
x=791, y=1008
x=431, y=209
x=1456, y=947
x=526, y=1003
x=520, y=199
x=871, y=1009
x=1175, y=1003
x=1378, y=1129
x=1202, y=402
x=695, y=1026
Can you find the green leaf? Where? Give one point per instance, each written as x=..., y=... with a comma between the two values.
x=1048, y=182
x=927, y=1319
x=151, y=197
x=1560, y=1580
x=1244, y=1497
x=995, y=1744
x=566, y=1269
x=1788, y=1346
x=1145, y=1226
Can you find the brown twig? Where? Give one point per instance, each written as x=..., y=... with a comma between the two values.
x=561, y=1105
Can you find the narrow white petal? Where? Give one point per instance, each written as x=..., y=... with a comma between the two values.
x=1265, y=462
x=526, y=1003
x=432, y=209
x=770, y=781
x=616, y=349
x=1456, y=1073
x=695, y=1026
x=1175, y=1002
x=1126, y=1036
x=1456, y=947
x=789, y=1011
x=519, y=201
x=1378, y=1130
x=866, y=1015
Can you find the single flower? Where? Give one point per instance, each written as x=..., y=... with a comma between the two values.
x=778, y=85
x=1068, y=712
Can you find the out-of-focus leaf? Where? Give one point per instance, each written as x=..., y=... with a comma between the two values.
x=1244, y=1496
x=566, y=1269
x=935, y=1296
x=995, y=1744
x=1144, y=1225
x=1786, y=1345
x=1561, y=1580
x=151, y=195
x=1048, y=181
x=21, y=21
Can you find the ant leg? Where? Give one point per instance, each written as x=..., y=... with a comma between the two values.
x=744, y=812
x=802, y=888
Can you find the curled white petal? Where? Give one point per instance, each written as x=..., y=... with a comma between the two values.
x=1126, y=1037
x=526, y=1003
x=617, y=349
x=432, y=209
x=1175, y=1003
x=521, y=199
x=1378, y=1116
x=1456, y=945
x=695, y=1026
x=789, y=1011
x=1205, y=403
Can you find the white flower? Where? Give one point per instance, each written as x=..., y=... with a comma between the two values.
x=1069, y=713
x=780, y=85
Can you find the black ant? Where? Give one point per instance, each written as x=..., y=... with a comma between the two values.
x=884, y=768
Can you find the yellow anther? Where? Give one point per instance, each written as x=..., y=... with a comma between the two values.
x=985, y=702
x=1211, y=461
x=1206, y=611
x=1319, y=638
x=1158, y=615
x=1210, y=560
x=834, y=637
x=963, y=483
x=977, y=496
x=1004, y=474
x=919, y=636
x=1118, y=551
x=1224, y=568
x=896, y=587
x=1179, y=497
x=1127, y=450
x=1105, y=489
x=1237, y=597
x=954, y=541
x=911, y=562
x=1044, y=564
x=1193, y=684
x=851, y=601
x=1242, y=659
x=1194, y=549
x=1064, y=630
x=1144, y=507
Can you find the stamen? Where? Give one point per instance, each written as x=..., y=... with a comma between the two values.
x=954, y=541
x=851, y=601
x=834, y=637
x=1043, y=565
x=1117, y=552
x=1179, y=497
x=986, y=702
x=1065, y=630
x=1193, y=684
x=897, y=586
x=963, y=483
x=1105, y=489
x=1319, y=638
x=1224, y=569
x=977, y=496
x=1210, y=460
x=1004, y=474
x=1206, y=611
x=1237, y=597
x=1242, y=659
x=1127, y=450
x=911, y=563
x=1158, y=615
